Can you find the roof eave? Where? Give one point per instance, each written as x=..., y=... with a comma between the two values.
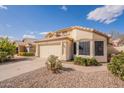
x=53, y=39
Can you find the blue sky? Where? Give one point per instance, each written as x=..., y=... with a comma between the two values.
x=18, y=22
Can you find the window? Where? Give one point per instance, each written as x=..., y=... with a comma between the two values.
x=84, y=48
x=99, y=48
x=74, y=46
x=64, y=33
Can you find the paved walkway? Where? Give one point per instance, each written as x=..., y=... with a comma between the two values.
x=19, y=66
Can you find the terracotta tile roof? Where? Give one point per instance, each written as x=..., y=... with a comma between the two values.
x=52, y=39
x=81, y=28
x=73, y=28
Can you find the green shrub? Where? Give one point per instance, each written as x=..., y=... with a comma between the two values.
x=29, y=54
x=26, y=54
x=116, y=66
x=94, y=62
x=53, y=64
x=86, y=61
x=77, y=60
x=3, y=56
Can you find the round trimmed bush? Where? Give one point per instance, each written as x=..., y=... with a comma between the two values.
x=86, y=61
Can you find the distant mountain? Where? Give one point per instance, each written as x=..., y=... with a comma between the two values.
x=116, y=34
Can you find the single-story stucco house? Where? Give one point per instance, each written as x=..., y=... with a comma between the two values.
x=25, y=45
x=74, y=41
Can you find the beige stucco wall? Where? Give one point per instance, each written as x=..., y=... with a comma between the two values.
x=81, y=35
x=97, y=37
x=78, y=35
x=69, y=50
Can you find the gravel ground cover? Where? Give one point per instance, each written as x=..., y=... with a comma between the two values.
x=68, y=78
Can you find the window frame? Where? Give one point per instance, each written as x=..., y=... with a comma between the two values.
x=86, y=45
x=99, y=52
x=75, y=48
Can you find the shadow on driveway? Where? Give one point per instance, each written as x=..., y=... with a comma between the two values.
x=68, y=69
x=17, y=59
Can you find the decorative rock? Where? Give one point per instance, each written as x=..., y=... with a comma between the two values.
x=68, y=78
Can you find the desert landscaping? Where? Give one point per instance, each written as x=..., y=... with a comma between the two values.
x=71, y=77
x=61, y=46
x=29, y=71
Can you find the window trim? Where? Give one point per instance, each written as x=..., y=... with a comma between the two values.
x=97, y=54
x=88, y=54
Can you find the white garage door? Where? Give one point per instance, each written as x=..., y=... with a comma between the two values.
x=47, y=50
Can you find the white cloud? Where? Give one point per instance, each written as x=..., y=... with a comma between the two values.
x=106, y=14
x=3, y=7
x=8, y=25
x=64, y=8
x=28, y=36
x=44, y=33
x=32, y=33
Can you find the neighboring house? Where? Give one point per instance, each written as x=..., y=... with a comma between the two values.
x=118, y=44
x=74, y=41
x=115, y=42
x=26, y=45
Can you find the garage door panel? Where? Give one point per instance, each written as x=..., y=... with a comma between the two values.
x=48, y=50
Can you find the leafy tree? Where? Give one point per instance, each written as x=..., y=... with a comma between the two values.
x=7, y=48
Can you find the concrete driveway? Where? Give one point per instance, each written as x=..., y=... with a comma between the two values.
x=20, y=65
